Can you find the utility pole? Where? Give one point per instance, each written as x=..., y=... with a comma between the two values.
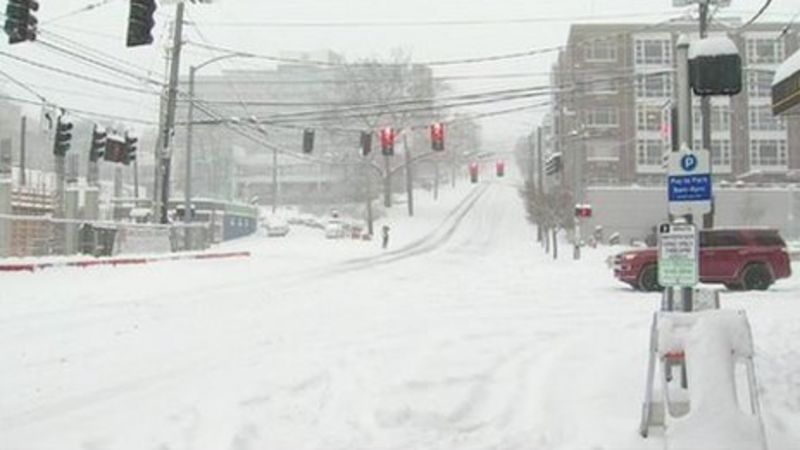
x=577, y=174
x=136, y=178
x=22, y=131
x=274, y=179
x=705, y=113
x=436, y=179
x=409, y=178
x=539, y=181
x=169, y=121
x=187, y=189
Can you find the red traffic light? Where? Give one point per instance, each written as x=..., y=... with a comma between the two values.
x=500, y=167
x=437, y=136
x=387, y=140
x=584, y=211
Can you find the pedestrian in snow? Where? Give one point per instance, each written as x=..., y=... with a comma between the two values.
x=385, y=236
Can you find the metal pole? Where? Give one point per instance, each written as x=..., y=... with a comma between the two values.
x=274, y=179
x=684, y=127
x=22, y=169
x=136, y=178
x=187, y=201
x=409, y=183
x=540, y=182
x=684, y=93
x=368, y=182
x=387, y=182
x=577, y=173
x=169, y=123
x=705, y=113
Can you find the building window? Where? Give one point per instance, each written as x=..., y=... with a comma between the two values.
x=765, y=51
x=653, y=51
x=768, y=152
x=652, y=118
x=654, y=86
x=720, y=118
x=600, y=51
x=720, y=151
x=762, y=119
x=759, y=84
x=649, y=152
x=604, y=117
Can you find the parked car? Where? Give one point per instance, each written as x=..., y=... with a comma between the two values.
x=276, y=226
x=738, y=258
x=334, y=229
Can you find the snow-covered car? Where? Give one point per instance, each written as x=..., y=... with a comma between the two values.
x=334, y=229
x=276, y=226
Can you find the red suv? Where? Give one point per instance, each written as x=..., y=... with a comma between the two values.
x=738, y=258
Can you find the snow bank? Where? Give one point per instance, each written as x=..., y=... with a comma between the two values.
x=713, y=341
x=787, y=68
x=712, y=46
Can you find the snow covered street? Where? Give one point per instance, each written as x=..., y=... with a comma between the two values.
x=463, y=335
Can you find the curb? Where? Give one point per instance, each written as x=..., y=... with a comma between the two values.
x=32, y=267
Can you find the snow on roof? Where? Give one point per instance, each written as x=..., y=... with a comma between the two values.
x=712, y=46
x=787, y=68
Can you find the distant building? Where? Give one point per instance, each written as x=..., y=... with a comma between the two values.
x=233, y=158
x=616, y=84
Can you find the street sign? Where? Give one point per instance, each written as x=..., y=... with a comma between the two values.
x=678, y=264
x=689, y=182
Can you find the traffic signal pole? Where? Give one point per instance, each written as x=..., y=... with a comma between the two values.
x=409, y=175
x=169, y=122
x=705, y=113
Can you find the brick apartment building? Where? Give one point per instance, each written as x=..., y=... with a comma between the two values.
x=615, y=86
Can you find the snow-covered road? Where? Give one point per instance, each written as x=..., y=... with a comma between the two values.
x=464, y=335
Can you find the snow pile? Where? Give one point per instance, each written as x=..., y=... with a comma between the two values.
x=713, y=341
x=787, y=68
x=712, y=46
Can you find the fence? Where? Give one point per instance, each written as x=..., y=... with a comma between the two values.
x=39, y=235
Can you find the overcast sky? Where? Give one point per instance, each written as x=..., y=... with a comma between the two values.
x=372, y=31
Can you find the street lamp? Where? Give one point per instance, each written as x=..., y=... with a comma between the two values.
x=189, y=126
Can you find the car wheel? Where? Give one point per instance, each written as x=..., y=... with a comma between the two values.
x=757, y=277
x=648, y=279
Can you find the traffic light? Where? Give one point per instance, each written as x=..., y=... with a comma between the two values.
x=140, y=22
x=553, y=164
x=437, y=136
x=583, y=211
x=473, y=172
x=366, y=143
x=115, y=149
x=387, y=141
x=308, y=141
x=500, y=168
x=20, y=23
x=129, y=154
x=98, y=146
x=61, y=143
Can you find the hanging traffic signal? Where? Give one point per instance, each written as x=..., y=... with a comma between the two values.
x=437, y=136
x=366, y=143
x=20, y=25
x=129, y=154
x=98, y=146
x=140, y=22
x=553, y=164
x=61, y=143
x=387, y=141
x=473, y=172
x=115, y=149
x=500, y=168
x=308, y=141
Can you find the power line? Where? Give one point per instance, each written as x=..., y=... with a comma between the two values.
x=77, y=111
x=757, y=15
x=84, y=9
x=75, y=75
x=428, y=23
